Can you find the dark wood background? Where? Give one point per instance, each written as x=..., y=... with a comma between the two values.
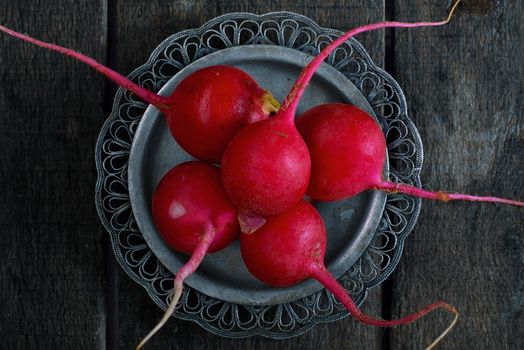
x=60, y=287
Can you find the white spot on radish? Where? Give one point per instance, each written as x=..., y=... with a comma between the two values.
x=176, y=210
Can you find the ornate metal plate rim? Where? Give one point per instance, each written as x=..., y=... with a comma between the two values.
x=394, y=243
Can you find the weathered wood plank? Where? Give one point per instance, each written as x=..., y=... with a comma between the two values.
x=140, y=27
x=51, y=276
x=464, y=88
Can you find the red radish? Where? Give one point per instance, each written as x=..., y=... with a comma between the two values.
x=348, y=153
x=211, y=105
x=206, y=109
x=266, y=167
x=193, y=215
x=290, y=248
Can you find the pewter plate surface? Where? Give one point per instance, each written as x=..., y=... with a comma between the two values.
x=350, y=223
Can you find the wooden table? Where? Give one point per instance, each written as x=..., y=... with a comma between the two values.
x=60, y=287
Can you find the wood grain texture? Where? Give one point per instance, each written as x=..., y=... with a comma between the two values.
x=465, y=92
x=159, y=19
x=51, y=276
x=464, y=89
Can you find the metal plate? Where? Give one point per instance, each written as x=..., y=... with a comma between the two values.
x=222, y=275
x=113, y=149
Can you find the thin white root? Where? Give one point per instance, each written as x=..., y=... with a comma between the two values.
x=451, y=11
x=167, y=314
x=190, y=267
x=446, y=331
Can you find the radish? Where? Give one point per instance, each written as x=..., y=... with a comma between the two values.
x=348, y=153
x=205, y=110
x=193, y=215
x=211, y=105
x=290, y=248
x=266, y=167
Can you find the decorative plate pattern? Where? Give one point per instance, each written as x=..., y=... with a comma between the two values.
x=112, y=156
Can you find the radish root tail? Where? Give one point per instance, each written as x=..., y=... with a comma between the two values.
x=447, y=330
x=291, y=101
x=171, y=308
x=321, y=274
x=150, y=97
x=452, y=11
x=391, y=187
x=186, y=270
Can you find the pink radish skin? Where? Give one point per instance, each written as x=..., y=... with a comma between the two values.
x=348, y=153
x=290, y=248
x=266, y=167
x=205, y=110
x=193, y=215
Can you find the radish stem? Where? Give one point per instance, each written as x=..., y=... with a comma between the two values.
x=440, y=195
x=150, y=97
x=320, y=273
x=196, y=258
x=291, y=101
